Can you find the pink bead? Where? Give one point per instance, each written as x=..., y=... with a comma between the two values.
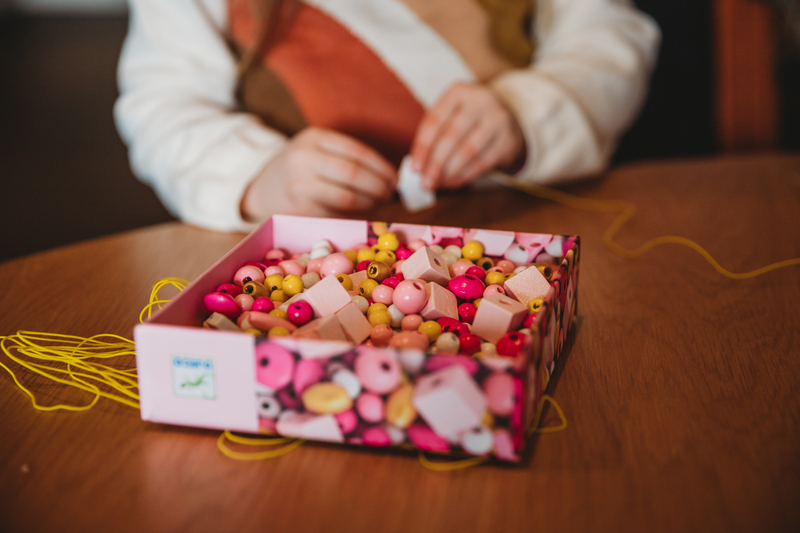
x=293, y=267
x=507, y=266
x=383, y=294
x=378, y=371
x=469, y=343
x=410, y=296
x=437, y=362
x=495, y=269
x=245, y=301
x=348, y=420
x=466, y=312
x=499, y=389
x=411, y=322
x=410, y=340
x=335, y=263
x=396, y=272
x=258, y=265
x=504, y=446
x=314, y=265
x=307, y=373
x=247, y=274
x=274, y=270
x=370, y=407
x=416, y=244
x=376, y=436
x=222, y=303
x=299, y=313
x=493, y=289
x=477, y=271
x=263, y=305
x=362, y=265
x=289, y=399
x=381, y=335
x=274, y=365
x=391, y=282
x=403, y=253
x=459, y=268
x=426, y=440
x=275, y=253
x=467, y=287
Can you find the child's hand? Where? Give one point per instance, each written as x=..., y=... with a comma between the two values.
x=467, y=132
x=320, y=173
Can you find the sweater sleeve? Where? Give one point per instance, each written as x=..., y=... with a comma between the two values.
x=178, y=114
x=584, y=88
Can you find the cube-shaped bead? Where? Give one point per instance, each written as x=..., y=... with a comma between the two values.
x=497, y=315
x=494, y=242
x=310, y=426
x=326, y=296
x=355, y=325
x=527, y=285
x=358, y=277
x=325, y=328
x=427, y=265
x=450, y=401
x=441, y=303
x=221, y=322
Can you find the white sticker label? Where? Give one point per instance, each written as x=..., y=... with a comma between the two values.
x=193, y=377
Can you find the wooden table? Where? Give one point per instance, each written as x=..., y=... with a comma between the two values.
x=681, y=387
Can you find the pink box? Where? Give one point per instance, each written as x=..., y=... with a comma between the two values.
x=194, y=376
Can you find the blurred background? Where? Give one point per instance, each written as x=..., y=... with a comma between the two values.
x=728, y=79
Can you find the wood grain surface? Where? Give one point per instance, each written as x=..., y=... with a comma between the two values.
x=681, y=387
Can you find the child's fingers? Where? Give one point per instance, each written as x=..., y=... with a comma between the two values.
x=475, y=145
x=333, y=197
x=345, y=147
x=452, y=135
x=429, y=129
x=350, y=174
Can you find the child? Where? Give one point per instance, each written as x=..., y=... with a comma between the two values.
x=234, y=110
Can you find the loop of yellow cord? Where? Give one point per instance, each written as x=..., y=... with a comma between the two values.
x=178, y=283
x=256, y=456
x=537, y=417
x=626, y=211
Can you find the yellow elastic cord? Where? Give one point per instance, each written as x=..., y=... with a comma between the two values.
x=537, y=417
x=178, y=283
x=626, y=211
x=290, y=444
x=447, y=465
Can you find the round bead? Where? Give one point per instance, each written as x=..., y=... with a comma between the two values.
x=449, y=258
x=460, y=267
x=403, y=253
x=534, y=305
x=499, y=390
x=274, y=365
x=378, y=271
x=326, y=399
x=485, y=263
x=323, y=243
x=299, y=313
x=381, y=335
x=279, y=313
x=386, y=256
x=272, y=271
x=511, y=343
x=454, y=250
x=278, y=296
x=415, y=245
x=466, y=312
x=431, y=328
x=410, y=296
x=268, y=407
x=447, y=343
x=435, y=248
x=361, y=303
x=376, y=307
x=517, y=254
x=262, y=304
x=310, y=279
x=246, y=274
x=376, y=436
x=222, y=303
x=365, y=288
x=380, y=317
x=275, y=253
x=303, y=259
x=507, y=266
x=230, y=288
x=255, y=289
x=370, y=407
x=391, y=282
x=476, y=271
x=397, y=316
x=495, y=278
x=362, y=265
x=410, y=340
x=466, y=287
x=520, y=269
x=347, y=420
x=274, y=282
x=307, y=372
x=378, y=371
x=493, y=289
x=388, y=241
x=400, y=412
x=446, y=321
x=346, y=281
x=278, y=331
x=478, y=440
x=292, y=267
x=469, y=343
x=410, y=322
x=336, y=263
x=348, y=381
x=425, y=439
x=488, y=349
x=367, y=254
x=473, y=250
x=383, y=294
x=245, y=301
x=528, y=322
x=320, y=252
x=315, y=264
x=292, y=284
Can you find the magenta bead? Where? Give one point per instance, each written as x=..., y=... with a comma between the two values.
x=493, y=289
x=459, y=268
x=426, y=439
x=245, y=301
x=274, y=270
x=403, y=253
x=334, y=264
x=376, y=436
x=247, y=274
x=456, y=327
x=222, y=303
x=383, y=294
x=446, y=321
x=466, y=312
x=348, y=420
x=274, y=365
x=314, y=265
x=477, y=271
x=469, y=343
x=230, y=288
x=292, y=267
x=362, y=265
x=528, y=322
x=391, y=282
x=467, y=287
x=410, y=296
x=307, y=372
x=263, y=305
x=299, y=313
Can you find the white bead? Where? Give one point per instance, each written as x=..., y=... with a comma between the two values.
x=556, y=246
x=316, y=253
x=309, y=279
x=396, y=435
x=449, y=258
x=517, y=254
x=447, y=343
x=455, y=250
x=324, y=243
x=477, y=441
x=488, y=349
x=268, y=407
x=397, y=316
x=361, y=303
x=348, y=381
x=411, y=360
x=520, y=268
x=436, y=249
x=303, y=259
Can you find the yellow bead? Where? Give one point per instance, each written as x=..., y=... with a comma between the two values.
x=254, y=331
x=367, y=254
x=274, y=282
x=545, y=269
x=485, y=263
x=365, y=288
x=431, y=328
x=495, y=278
x=346, y=281
x=509, y=276
x=534, y=305
x=351, y=255
x=280, y=313
x=292, y=284
x=278, y=296
x=386, y=256
x=473, y=250
x=377, y=306
x=400, y=411
x=379, y=271
x=488, y=419
x=380, y=317
x=477, y=302
x=388, y=241
x=278, y=331
x=255, y=289
x=326, y=399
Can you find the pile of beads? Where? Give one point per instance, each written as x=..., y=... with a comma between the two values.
x=447, y=298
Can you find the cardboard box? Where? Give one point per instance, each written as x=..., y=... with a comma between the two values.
x=455, y=404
